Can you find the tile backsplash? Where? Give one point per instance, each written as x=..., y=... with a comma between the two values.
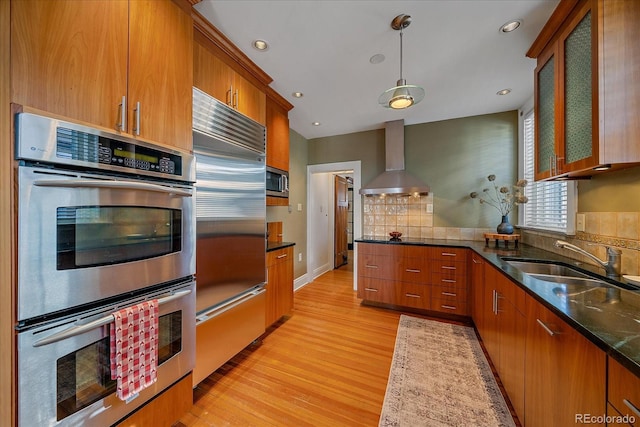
x=412, y=216
x=616, y=229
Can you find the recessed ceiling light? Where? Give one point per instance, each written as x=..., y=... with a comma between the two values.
x=503, y=92
x=316, y=123
x=377, y=58
x=261, y=45
x=511, y=26
x=297, y=94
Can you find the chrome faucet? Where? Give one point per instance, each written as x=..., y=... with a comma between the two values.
x=612, y=266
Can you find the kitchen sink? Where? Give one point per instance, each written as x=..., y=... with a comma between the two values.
x=569, y=280
x=546, y=269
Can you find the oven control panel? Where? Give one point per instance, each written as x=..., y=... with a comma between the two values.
x=99, y=149
x=45, y=139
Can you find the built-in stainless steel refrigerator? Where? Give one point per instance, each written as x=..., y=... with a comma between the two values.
x=230, y=248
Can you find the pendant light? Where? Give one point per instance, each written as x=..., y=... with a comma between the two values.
x=402, y=95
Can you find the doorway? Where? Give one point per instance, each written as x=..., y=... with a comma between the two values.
x=320, y=215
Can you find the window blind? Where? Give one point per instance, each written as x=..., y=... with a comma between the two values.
x=551, y=203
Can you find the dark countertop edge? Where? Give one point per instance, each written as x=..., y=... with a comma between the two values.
x=274, y=246
x=492, y=255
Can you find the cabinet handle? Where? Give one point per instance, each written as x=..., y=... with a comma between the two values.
x=235, y=99
x=633, y=407
x=448, y=280
x=449, y=294
x=229, y=96
x=495, y=301
x=281, y=256
x=371, y=289
x=371, y=266
x=412, y=270
x=448, y=307
x=559, y=169
x=136, y=129
x=122, y=124
x=546, y=328
x=446, y=267
x=475, y=261
x=413, y=296
x=447, y=254
x=551, y=165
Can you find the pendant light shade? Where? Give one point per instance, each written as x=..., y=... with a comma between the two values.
x=402, y=95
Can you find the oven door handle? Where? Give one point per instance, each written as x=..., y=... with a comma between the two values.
x=80, y=329
x=115, y=185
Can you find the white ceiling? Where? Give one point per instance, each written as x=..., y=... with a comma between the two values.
x=452, y=48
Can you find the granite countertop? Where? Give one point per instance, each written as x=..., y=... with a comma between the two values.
x=274, y=246
x=612, y=326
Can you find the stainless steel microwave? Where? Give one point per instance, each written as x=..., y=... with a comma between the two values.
x=277, y=182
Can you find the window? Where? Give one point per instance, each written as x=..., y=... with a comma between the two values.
x=551, y=204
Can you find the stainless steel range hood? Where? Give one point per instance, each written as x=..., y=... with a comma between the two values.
x=395, y=180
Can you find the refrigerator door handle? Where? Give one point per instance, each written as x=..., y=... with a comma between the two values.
x=218, y=310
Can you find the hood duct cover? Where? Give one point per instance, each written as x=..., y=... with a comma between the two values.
x=395, y=180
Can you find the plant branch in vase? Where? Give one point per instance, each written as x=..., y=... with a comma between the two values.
x=504, y=199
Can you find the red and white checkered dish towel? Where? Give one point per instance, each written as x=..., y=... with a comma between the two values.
x=134, y=351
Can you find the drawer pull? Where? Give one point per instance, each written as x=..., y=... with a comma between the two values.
x=475, y=261
x=413, y=296
x=281, y=256
x=447, y=254
x=448, y=307
x=449, y=294
x=448, y=280
x=446, y=267
x=546, y=328
x=371, y=289
x=633, y=407
x=371, y=266
x=412, y=270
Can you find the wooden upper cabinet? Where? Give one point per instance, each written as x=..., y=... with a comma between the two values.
x=70, y=57
x=214, y=75
x=161, y=72
x=585, y=90
x=277, y=136
x=80, y=60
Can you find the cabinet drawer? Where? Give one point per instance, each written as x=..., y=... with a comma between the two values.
x=452, y=294
x=376, y=266
x=413, y=270
x=624, y=391
x=381, y=249
x=379, y=290
x=410, y=295
x=450, y=278
x=449, y=254
x=453, y=307
x=279, y=255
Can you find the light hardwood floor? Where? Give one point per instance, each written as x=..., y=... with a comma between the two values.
x=325, y=365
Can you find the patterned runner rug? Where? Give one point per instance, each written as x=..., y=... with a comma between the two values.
x=439, y=376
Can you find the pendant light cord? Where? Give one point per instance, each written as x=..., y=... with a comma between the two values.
x=401, y=53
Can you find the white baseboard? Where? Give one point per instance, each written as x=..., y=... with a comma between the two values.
x=321, y=270
x=300, y=282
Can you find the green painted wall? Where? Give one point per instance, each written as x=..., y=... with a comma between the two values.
x=294, y=222
x=453, y=157
x=617, y=191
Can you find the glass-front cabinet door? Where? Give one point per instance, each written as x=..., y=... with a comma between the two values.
x=578, y=149
x=545, y=116
x=567, y=99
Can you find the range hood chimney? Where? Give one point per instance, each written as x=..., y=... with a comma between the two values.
x=395, y=180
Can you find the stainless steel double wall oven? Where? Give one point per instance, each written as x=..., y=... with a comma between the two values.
x=105, y=222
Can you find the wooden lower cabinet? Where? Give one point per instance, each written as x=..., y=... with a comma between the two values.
x=165, y=409
x=623, y=394
x=565, y=374
x=413, y=276
x=279, y=287
x=503, y=332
